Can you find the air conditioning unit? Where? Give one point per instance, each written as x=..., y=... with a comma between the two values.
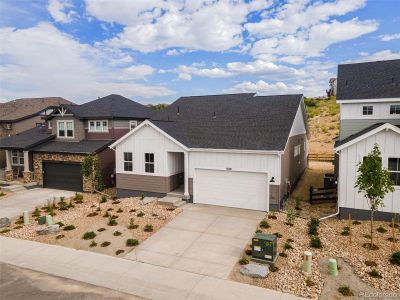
x=264, y=248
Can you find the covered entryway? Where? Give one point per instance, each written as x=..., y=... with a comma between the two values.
x=231, y=188
x=62, y=175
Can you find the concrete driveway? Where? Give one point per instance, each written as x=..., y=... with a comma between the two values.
x=203, y=239
x=14, y=204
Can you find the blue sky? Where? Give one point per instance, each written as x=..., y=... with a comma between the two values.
x=155, y=51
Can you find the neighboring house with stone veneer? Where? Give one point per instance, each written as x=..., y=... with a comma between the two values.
x=22, y=114
x=70, y=133
x=369, y=98
x=238, y=150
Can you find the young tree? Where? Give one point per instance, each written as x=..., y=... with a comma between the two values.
x=374, y=182
x=91, y=170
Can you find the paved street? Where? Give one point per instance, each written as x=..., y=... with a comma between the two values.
x=15, y=204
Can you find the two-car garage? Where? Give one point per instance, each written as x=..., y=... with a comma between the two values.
x=239, y=189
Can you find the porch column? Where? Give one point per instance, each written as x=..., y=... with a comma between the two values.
x=186, y=167
x=8, y=160
x=26, y=161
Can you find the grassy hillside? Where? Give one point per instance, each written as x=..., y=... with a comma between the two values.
x=323, y=121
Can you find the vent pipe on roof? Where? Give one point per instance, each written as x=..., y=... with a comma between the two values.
x=214, y=116
x=178, y=111
x=168, y=117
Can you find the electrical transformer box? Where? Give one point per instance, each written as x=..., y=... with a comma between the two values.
x=264, y=248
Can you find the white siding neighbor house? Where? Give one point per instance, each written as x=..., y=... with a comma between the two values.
x=228, y=150
x=369, y=98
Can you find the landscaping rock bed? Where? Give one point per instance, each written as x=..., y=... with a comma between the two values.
x=288, y=276
x=113, y=224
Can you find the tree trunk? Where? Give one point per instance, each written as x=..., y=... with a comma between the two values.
x=372, y=227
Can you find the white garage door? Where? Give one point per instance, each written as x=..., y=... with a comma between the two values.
x=231, y=188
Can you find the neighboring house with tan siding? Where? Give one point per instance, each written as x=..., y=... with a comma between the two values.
x=22, y=114
x=238, y=150
x=70, y=133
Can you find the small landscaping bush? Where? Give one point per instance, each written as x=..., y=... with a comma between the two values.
x=60, y=236
x=370, y=263
x=70, y=204
x=346, y=231
x=103, y=199
x=61, y=224
x=395, y=258
x=62, y=205
x=356, y=222
x=101, y=229
x=78, y=197
x=287, y=246
x=374, y=273
x=278, y=235
x=345, y=291
x=5, y=230
x=243, y=261
x=112, y=222
x=89, y=235
x=119, y=210
x=140, y=214
x=93, y=244
x=69, y=227
x=283, y=254
x=313, y=226
x=290, y=216
x=148, y=228
x=315, y=242
x=132, y=242
x=117, y=233
x=105, y=244
x=381, y=229
x=118, y=252
x=264, y=224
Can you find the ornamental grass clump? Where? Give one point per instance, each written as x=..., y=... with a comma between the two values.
x=89, y=235
x=132, y=242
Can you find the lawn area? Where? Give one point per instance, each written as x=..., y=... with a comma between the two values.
x=88, y=224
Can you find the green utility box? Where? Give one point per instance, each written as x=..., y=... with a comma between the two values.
x=264, y=248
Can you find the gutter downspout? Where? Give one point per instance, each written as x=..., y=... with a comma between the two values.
x=337, y=205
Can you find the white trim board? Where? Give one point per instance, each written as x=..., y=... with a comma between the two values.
x=376, y=100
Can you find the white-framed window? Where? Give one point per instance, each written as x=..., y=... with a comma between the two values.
x=149, y=162
x=128, y=161
x=49, y=125
x=395, y=109
x=98, y=126
x=132, y=124
x=368, y=110
x=17, y=158
x=65, y=129
x=297, y=150
x=394, y=169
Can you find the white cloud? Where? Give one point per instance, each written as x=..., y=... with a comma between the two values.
x=380, y=55
x=264, y=88
x=61, y=10
x=389, y=37
x=186, y=72
x=42, y=61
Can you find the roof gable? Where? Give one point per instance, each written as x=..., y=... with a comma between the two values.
x=370, y=80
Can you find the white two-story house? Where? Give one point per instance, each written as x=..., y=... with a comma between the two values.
x=369, y=98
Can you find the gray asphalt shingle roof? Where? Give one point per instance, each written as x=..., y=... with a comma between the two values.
x=237, y=121
x=81, y=147
x=110, y=107
x=370, y=80
x=26, y=139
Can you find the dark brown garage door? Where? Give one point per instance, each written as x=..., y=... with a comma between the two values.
x=63, y=176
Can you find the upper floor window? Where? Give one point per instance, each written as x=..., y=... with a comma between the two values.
x=395, y=109
x=65, y=129
x=297, y=150
x=394, y=169
x=132, y=125
x=368, y=110
x=149, y=162
x=17, y=158
x=128, y=161
x=98, y=126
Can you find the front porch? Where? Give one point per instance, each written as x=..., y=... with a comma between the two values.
x=18, y=166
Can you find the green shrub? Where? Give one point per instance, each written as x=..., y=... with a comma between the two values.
x=140, y=214
x=278, y=235
x=287, y=246
x=148, y=228
x=89, y=235
x=374, y=273
x=112, y=222
x=117, y=233
x=118, y=252
x=132, y=242
x=61, y=224
x=101, y=229
x=78, y=197
x=264, y=224
x=345, y=291
x=103, y=199
x=93, y=244
x=381, y=229
x=119, y=210
x=243, y=261
x=290, y=216
x=69, y=227
x=315, y=242
x=60, y=236
x=395, y=258
x=105, y=244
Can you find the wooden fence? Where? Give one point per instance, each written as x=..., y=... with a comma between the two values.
x=323, y=195
x=321, y=157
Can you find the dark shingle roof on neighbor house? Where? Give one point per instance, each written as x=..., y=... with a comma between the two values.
x=236, y=121
x=111, y=107
x=370, y=80
x=26, y=139
x=81, y=147
x=20, y=109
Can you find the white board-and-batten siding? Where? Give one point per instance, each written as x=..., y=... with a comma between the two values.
x=389, y=144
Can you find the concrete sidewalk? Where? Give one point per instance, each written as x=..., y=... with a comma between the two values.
x=140, y=279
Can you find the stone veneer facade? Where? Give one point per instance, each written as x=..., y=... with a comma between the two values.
x=28, y=176
x=38, y=158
